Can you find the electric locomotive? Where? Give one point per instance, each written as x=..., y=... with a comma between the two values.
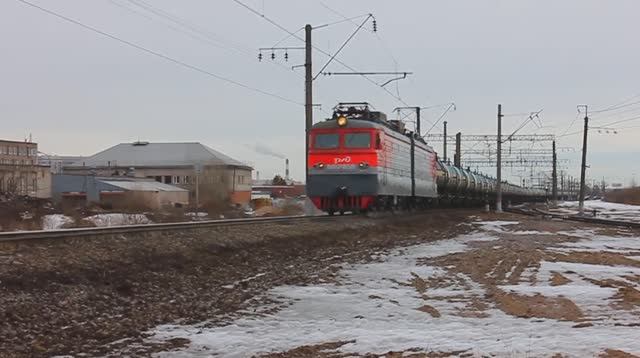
x=359, y=160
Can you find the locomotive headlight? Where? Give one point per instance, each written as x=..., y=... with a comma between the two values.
x=363, y=165
x=342, y=121
x=319, y=165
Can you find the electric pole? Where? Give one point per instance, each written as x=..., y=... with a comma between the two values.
x=418, y=122
x=416, y=109
x=457, y=157
x=562, y=189
x=554, y=176
x=308, y=98
x=499, y=163
x=583, y=170
x=444, y=149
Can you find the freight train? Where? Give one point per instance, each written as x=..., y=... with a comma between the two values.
x=359, y=160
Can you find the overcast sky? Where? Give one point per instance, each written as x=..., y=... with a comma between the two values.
x=79, y=92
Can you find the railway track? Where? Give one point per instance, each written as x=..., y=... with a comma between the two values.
x=146, y=228
x=587, y=219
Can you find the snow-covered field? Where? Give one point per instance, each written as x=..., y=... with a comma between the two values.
x=413, y=299
x=604, y=210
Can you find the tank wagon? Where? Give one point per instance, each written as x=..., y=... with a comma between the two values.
x=359, y=160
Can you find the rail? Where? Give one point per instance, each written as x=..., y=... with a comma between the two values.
x=587, y=219
x=141, y=228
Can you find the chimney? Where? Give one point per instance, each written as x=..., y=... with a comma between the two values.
x=257, y=175
x=286, y=170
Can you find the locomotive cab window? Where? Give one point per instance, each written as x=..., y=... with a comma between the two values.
x=357, y=140
x=326, y=141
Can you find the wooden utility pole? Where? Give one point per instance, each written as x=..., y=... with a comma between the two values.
x=554, y=176
x=499, y=163
x=444, y=145
x=308, y=98
x=583, y=170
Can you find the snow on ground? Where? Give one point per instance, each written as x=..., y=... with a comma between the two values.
x=604, y=209
x=497, y=226
x=197, y=216
x=593, y=299
x=599, y=243
x=117, y=219
x=55, y=221
x=376, y=306
x=503, y=226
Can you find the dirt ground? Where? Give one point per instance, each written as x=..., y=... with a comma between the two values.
x=98, y=297
x=80, y=295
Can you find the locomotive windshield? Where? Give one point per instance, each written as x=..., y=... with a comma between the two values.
x=357, y=140
x=327, y=141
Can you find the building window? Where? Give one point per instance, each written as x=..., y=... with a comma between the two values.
x=167, y=179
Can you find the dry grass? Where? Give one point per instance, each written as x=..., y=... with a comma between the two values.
x=624, y=196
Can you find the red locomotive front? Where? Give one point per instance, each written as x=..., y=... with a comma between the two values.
x=359, y=160
x=343, y=164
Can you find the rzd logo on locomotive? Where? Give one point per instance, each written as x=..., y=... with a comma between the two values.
x=343, y=160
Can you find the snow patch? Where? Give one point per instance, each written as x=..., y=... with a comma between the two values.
x=606, y=210
x=390, y=320
x=118, y=219
x=497, y=226
x=55, y=221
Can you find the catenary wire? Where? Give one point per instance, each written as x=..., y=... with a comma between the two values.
x=158, y=54
x=274, y=23
x=206, y=36
x=382, y=42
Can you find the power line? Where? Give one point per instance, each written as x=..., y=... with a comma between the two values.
x=200, y=37
x=342, y=47
x=632, y=110
x=346, y=19
x=531, y=117
x=158, y=54
x=377, y=35
x=186, y=24
x=622, y=121
x=618, y=105
x=569, y=127
x=193, y=30
x=274, y=23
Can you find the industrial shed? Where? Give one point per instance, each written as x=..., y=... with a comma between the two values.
x=117, y=193
x=208, y=175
